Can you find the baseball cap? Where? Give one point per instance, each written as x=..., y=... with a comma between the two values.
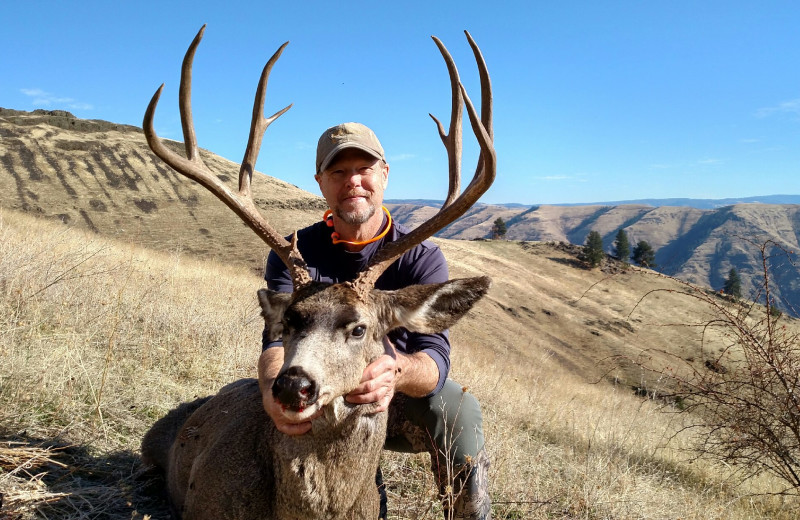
x=347, y=135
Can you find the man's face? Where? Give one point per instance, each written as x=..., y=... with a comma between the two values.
x=353, y=185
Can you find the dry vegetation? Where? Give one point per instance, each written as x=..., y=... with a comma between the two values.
x=103, y=177
x=98, y=339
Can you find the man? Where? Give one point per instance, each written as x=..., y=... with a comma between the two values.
x=432, y=413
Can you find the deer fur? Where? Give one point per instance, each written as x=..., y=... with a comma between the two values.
x=223, y=457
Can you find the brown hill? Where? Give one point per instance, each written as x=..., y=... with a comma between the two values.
x=102, y=176
x=696, y=245
x=125, y=333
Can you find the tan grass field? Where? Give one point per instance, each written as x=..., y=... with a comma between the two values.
x=99, y=338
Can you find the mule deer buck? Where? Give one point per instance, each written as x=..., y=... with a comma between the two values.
x=222, y=455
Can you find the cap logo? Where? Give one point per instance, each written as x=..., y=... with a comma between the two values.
x=337, y=134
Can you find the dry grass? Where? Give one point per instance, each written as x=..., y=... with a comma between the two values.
x=98, y=339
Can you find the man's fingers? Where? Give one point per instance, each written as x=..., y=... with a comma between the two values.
x=366, y=393
x=383, y=380
x=383, y=404
x=377, y=383
x=361, y=398
x=380, y=367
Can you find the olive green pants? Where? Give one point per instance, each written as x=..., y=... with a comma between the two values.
x=449, y=425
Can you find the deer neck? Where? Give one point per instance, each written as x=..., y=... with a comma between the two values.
x=332, y=468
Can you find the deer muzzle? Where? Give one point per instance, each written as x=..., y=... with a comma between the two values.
x=295, y=390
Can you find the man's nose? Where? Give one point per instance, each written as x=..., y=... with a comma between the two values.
x=353, y=179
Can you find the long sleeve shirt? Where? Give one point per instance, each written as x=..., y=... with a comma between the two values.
x=332, y=263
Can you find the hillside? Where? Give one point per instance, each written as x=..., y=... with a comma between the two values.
x=696, y=245
x=103, y=177
x=146, y=298
x=126, y=333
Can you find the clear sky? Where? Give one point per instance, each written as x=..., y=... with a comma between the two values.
x=594, y=101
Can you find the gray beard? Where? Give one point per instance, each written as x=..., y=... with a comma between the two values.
x=355, y=218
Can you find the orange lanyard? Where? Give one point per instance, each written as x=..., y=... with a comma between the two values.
x=328, y=218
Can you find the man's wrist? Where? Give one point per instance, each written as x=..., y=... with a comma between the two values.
x=269, y=365
x=417, y=374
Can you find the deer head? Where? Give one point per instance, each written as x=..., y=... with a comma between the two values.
x=331, y=332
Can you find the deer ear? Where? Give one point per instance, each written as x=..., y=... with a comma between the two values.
x=435, y=307
x=273, y=304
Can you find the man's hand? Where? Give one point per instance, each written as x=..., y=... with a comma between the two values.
x=378, y=381
x=377, y=384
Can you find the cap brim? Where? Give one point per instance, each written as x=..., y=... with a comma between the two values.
x=343, y=146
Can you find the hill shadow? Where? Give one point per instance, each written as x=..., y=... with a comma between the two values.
x=571, y=262
x=674, y=255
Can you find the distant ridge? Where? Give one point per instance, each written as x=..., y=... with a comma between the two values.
x=102, y=176
x=698, y=243
x=700, y=203
x=680, y=202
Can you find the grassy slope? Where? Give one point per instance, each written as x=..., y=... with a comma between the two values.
x=99, y=338
x=103, y=177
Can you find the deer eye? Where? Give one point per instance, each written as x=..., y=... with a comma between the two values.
x=359, y=331
x=292, y=320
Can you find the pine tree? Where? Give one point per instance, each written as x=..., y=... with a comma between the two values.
x=622, y=246
x=593, y=249
x=644, y=255
x=499, y=228
x=733, y=284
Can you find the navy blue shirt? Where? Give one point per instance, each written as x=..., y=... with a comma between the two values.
x=332, y=263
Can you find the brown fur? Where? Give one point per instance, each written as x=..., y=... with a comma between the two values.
x=228, y=461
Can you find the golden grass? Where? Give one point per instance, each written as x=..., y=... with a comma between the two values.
x=98, y=339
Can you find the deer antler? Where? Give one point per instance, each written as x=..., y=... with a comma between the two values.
x=193, y=167
x=484, y=172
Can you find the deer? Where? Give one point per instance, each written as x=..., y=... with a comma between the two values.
x=222, y=456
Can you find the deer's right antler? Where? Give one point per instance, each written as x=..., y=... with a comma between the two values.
x=455, y=205
x=193, y=167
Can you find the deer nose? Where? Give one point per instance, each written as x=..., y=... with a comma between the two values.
x=294, y=389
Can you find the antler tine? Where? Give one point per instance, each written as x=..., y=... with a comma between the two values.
x=193, y=167
x=452, y=141
x=486, y=92
x=185, y=99
x=486, y=86
x=481, y=181
x=487, y=167
x=258, y=125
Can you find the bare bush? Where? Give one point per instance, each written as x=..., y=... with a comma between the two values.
x=743, y=400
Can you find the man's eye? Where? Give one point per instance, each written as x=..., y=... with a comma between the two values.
x=359, y=331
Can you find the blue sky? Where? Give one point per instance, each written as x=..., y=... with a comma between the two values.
x=594, y=101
